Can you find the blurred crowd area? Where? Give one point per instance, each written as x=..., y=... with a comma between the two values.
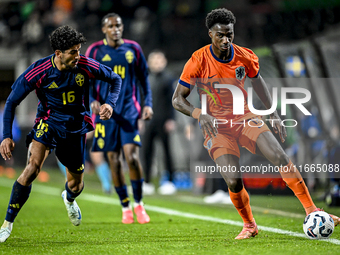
x=297, y=41
x=176, y=26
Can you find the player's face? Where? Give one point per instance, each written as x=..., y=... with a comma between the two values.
x=222, y=37
x=157, y=62
x=113, y=28
x=70, y=58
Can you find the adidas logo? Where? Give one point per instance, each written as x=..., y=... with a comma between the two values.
x=53, y=86
x=137, y=138
x=106, y=58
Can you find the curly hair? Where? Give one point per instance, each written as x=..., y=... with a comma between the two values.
x=109, y=15
x=221, y=16
x=65, y=37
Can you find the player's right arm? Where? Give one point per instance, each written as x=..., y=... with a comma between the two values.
x=20, y=89
x=181, y=104
x=189, y=76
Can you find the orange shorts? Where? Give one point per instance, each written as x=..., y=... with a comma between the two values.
x=230, y=137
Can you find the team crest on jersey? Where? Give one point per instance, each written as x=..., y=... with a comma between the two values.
x=240, y=72
x=101, y=143
x=129, y=56
x=39, y=133
x=80, y=79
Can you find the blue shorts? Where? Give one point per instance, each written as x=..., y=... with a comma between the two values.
x=69, y=147
x=112, y=135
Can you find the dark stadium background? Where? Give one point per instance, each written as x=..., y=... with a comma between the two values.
x=293, y=38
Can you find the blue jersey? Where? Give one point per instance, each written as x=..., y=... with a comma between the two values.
x=63, y=95
x=129, y=62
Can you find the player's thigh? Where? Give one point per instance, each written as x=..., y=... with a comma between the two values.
x=250, y=133
x=269, y=147
x=37, y=153
x=129, y=134
x=71, y=152
x=97, y=157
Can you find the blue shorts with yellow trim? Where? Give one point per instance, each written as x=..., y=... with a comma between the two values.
x=112, y=135
x=69, y=147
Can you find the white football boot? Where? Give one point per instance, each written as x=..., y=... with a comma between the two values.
x=73, y=210
x=5, y=231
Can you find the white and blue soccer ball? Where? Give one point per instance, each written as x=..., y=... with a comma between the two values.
x=318, y=225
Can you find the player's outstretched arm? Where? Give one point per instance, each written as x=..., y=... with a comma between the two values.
x=181, y=104
x=6, y=148
x=262, y=91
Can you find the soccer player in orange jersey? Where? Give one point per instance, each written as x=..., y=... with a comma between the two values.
x=223, y=62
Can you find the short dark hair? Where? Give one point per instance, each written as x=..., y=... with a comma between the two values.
x=65, y=37
x=221, y=16
x=109, y=15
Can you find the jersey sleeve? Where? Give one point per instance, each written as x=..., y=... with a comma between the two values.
x=253, y=65
x=190, y=73
x=98, y=71
x=90, y=54
x=142, y=74
x=20, y=89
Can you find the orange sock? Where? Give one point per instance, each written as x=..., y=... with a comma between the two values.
x=290, y=174
x=241, y=202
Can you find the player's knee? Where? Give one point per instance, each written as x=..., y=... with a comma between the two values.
x=114, y=163
x=75, y=185
x=235, y=185
x=132, y=160
x=281, y=159
x=33, y=168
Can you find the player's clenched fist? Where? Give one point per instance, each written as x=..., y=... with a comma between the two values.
x=6, y=148
x=105, y=112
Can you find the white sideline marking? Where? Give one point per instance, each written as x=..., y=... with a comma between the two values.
x=107, y=200
x=197, y=200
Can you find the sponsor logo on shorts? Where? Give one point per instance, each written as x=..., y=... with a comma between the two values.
x=81, y=168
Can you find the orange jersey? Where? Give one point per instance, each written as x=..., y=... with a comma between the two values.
x=205, y=70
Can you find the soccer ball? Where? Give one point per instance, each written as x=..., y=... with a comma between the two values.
x=318, y=225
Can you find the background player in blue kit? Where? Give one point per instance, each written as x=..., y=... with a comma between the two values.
x=61, y=82
x=126, y=58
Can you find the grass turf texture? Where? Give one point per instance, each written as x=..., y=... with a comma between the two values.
x=42, y=226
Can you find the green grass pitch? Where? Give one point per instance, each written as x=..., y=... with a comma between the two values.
x=180, y=224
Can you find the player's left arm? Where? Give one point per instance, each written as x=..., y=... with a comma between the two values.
x=101, y=72
x=263, y=93
x=142, y=75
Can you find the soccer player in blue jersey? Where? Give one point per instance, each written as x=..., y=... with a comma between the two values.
x=61, y=82
x=126, y=58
